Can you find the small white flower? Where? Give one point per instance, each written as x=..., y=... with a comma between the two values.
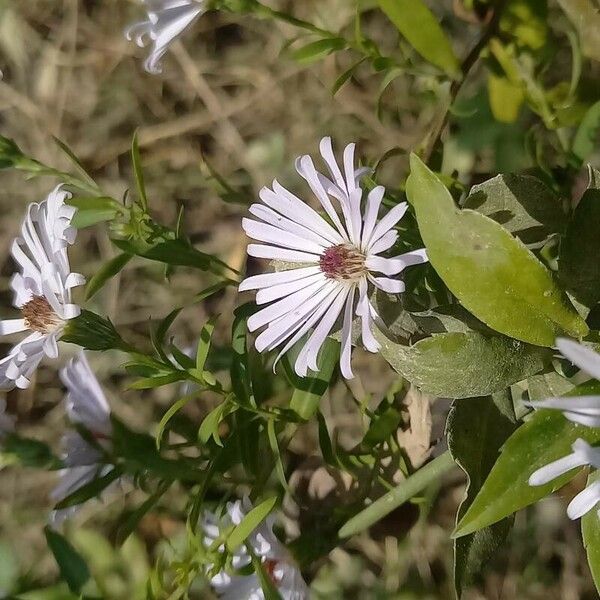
x=42, y=288
x=167, y=19
x=86, y=405
x=337, y=258
x=583, y=455
x=275, y=558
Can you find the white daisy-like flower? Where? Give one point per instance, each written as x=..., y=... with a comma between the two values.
x=42, y=288
x=167, y=19
x=86, y=405
x=337, y=255
x=583, y=455
x=584, y=410
x=275, y=558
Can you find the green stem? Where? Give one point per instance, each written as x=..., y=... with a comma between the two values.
x=399, y=495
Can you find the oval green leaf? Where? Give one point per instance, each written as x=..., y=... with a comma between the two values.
x=486, y=365
x=492, y=274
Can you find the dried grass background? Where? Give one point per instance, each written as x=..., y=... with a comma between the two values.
x=230, y=96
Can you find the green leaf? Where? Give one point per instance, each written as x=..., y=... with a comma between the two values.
x=28, y=453
x=107, y=271
x=210, y=425
x=319, y=49
x=476, y=431
x=131, y=522
x=169, y=415
x=590, y=528
x=345, y=77
x=544, y=438
x=204, y=343
x=90, y=490
x=506, y=98
x=486, y=364
x=92, y=210
x=384, y=423
x=578, y=266
x=241, y=380
x=409, y=488
x=73, y=568
x=308, y=391
x=149, y=383
x=178, y=253
x=138, y=171
x=522, y=204
x=268, y=587
x=586, y=138
x=250, y=522
x=421, y=28
x=512, y=291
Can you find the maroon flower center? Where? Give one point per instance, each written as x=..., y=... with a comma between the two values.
x=342, y=262
x=39, y=315
x=270, y=565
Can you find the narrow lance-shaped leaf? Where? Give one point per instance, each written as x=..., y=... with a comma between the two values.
x=106, y=272
x=590, y=528
x=250, y=522
x=492, y=274
x=544, y=438
x=73, y=567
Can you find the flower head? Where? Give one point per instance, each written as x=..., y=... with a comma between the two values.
x=337, y=257
x=275, y=558
x=167, y=19
x=42, y=288
x=86, y=405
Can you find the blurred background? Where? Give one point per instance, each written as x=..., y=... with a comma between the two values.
x=232, y=98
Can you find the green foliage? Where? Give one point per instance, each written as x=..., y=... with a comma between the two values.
x=418, y=25
x=476, y=431
x=73, y=568
x=578, y=266
x=513, y=292
x=432, y=363
x=590, y=529
x=544, y=438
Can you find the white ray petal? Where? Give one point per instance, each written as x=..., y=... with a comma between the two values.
x=285, y=289
x=582, y=356
x=386, y=223
x=346, y=350
x=374, y=200
x=584, y=501
x=263, y=232
x=274, y=253
x=257, y=282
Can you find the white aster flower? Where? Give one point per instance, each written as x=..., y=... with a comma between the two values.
x=583, y=455
x=275, y=558
x=42, y=287
x=337, y=258
x=86, y=405
x=167, y=19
